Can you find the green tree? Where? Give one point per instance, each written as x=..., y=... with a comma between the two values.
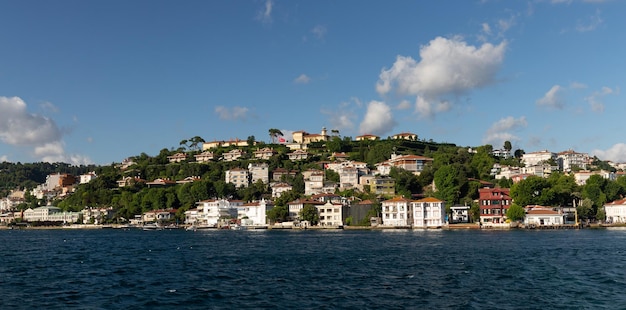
x=515, y=213
x=585, y=209
x=309, y=213
x=274, y=134
x=507, y=146
x=278, y=213
x=447, y=184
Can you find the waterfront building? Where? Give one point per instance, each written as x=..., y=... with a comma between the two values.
x=493, y=202
x=331, y=214
x=254, y=213
x=543, y=216
x=295, y=207
x=50, y=214
x=397, y=212
x=615, y=211
x=428, y=212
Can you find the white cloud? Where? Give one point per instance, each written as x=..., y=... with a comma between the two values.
x=378, y=119
x=552, y=98
x=319, y=31
x=18, y=127
x=577, y=85
x=591, y=24
x=502, y=130
x=616, y=153
x=55, y=152
x=48, y=106
x=486, y=28
x=4, y=158
x=236, y=113
x=404, y=105
x=448, y=67
x=265, y=14
x=595, y=100
x=302, y=79
x=344, y=116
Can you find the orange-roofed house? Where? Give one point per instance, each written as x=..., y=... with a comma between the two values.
x=543, y=216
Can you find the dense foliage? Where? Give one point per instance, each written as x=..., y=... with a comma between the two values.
x=453, y=176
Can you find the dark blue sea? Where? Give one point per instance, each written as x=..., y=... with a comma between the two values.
x=395, y=269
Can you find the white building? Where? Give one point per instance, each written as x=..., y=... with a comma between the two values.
x=331, y=215
x=279, y=188
x=254, y=213
x=428, y=212
x=568, y=159
x=397, y=212
x=50, y=214
x=209, y=212
x=295, y=207
x=460, y=214
x=238, y=176
x=534, y=158
x=87, y=177
x=314, y=184
x=259, y=171
x=615, y=212
x=581, y=177
x=543, y=216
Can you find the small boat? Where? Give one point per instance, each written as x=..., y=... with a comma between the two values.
x=151, y=226
x=238, y=227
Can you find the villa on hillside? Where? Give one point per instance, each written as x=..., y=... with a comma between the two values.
x=298, y=155
x=367, y=137
x=264, y=153
x=233, y=155
x=405, y=136
x=204, y=157
x=412, y=163
x=176, y=158
x=303, y=137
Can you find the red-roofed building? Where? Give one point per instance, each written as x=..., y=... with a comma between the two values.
x=543, y=216
x=493, y=202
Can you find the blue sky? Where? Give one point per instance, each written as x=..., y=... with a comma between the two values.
x=99, y=81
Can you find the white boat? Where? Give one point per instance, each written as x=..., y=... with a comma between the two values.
x=238, y=227
x=151, y=226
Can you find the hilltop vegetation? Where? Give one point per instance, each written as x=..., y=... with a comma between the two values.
x=454, y=172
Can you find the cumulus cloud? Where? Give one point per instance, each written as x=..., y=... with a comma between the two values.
x=265, y=14
x=616, y=153
x=503, y=129
x=235, y=113
x=595, y=100
x=319, y=31
x=302, y=79
x=553, y=98
x=448, y=67
x=4, y=158
x=19, y=127
x=378, y=119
